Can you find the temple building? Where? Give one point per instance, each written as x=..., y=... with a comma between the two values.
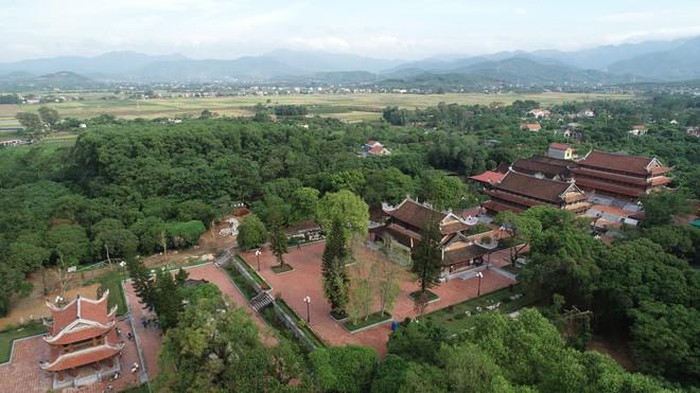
x=543, y=167
x=83, y=342
x=517, y=192
x=620, y=176
x=459, y=246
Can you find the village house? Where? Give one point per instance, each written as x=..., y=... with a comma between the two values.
x=532, y=127
x=638, y=130
x=518, y=192
x=83, y=342
x=561, y=151
x=620, y=176
x=374, y=148
x=460, y=248
x=540, y=113
x=693, y=131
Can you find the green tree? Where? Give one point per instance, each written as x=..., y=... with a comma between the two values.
x=427, y=258
x=335, y=277
x=251, y=232
x=48, y=116
x=345, y=207
x=344, y=369
x=522, y=230
x=277, y=236
x=70, y=245
x=304, y=203
x=660, y=207
x=31, y=122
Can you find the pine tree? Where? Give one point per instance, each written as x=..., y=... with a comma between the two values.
x=142, y=282
x=335, y=277
x=278, y=239
x=427, y=258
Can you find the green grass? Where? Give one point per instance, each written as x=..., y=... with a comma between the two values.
x=258, y=279
x=371, y=320
x=301, y=323
x=454, y=318
x=9, y=335
x=112, y=281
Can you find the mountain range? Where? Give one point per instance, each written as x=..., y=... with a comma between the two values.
x=653, y=61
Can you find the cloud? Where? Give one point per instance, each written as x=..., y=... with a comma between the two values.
x=626, y=17
x=652, y=34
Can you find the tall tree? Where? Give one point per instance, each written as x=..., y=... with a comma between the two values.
x=278, y=238
x=335, y=277
x=427, y=258
x=522, y=230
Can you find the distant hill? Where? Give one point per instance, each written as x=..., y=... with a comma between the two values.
x=57, y=80
x=318, y=61
x=677, y=64
x=654, y=61
x=242, y=69
x=520, y=70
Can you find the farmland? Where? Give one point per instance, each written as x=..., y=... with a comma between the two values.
x=347, y=107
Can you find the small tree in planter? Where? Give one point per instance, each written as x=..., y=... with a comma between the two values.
x=278, y=239
x=486, y=240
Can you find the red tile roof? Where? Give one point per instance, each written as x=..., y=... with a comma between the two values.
x=377, y=150
x=462, y=254
x=531, y=127
x=415, y=214
x=612, y=188
x=559, y=146
x=532, y=187
x=80, y=308
x=81, y=334
x=549, y=167
x=619, y=162
x=83, y=357
x=488, y=177
x=499, y=207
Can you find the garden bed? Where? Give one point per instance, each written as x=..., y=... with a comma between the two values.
x=457, y=317
x=373, y=320
x=257, y=277
x=338, y=316
x=113, y=281
x=281, y=269
x=300, y=322
x=246, y=289
x=432, y=296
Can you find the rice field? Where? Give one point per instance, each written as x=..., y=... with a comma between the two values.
x=351, y=107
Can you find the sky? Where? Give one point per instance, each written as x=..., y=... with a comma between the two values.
x=406, y=29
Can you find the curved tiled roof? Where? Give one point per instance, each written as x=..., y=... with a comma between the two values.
x=533, y=187
x=83, y=357
x=621, y=163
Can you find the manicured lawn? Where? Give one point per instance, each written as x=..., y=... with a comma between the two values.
x=371, y=320
x=455, y=318
x=8, y=336
x=112, y=281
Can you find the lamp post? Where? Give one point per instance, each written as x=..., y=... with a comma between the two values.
x=257, y=255
x=122, y=264
x=478, y=290
x=307, y=300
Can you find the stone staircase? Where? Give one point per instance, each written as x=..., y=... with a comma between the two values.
x=261, y=301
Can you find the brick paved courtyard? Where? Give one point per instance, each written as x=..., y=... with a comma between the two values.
x=305, y=280
x=23, y=374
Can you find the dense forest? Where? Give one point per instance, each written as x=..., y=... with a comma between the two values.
x=141, y=187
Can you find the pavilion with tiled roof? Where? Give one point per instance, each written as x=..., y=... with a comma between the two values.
x=620, y=176
x=401, y=233
x=517, y=192
x=541, y=166
x=82, y=339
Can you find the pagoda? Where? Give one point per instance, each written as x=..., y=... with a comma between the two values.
x=83, y=340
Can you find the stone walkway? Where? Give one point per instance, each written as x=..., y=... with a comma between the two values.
x=305, y=280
